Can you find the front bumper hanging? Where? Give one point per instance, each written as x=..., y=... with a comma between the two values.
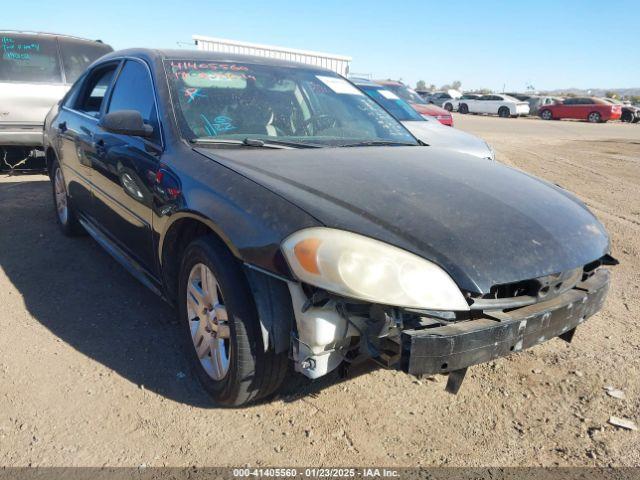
x=456, y=346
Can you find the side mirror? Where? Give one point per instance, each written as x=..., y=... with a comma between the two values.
x=126, y=122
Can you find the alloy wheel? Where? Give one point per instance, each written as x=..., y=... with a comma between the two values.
x=208, y=321
x=62, y=206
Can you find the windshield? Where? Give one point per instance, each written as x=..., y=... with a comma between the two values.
x=397, y=107
x=78, y=55
x=29, y=58
x=236, y=101
x=405, y=93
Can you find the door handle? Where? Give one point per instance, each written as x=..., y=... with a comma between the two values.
x=62, y=126
x=98, y=146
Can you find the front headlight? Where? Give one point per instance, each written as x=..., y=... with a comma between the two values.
x=363, y=268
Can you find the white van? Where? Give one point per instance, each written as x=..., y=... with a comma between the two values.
x=36, y=70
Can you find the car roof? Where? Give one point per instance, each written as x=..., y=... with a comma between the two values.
x=363, y=82
x=157, y=55
x=50, y=34
x=389, y=82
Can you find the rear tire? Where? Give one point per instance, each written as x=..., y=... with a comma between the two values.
x=463, y=108
x=63, y=205
x=448, y=107
x=250, y=373
x=546, y=115
x=504, y=112
x=594, y=117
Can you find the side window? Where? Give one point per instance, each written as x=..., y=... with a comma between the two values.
x=70, y=99
x=94, y=91
x=134, y=91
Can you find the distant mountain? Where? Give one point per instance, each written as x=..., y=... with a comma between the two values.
x=596, y=92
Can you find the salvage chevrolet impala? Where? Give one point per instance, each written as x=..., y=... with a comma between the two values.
x=291, y=219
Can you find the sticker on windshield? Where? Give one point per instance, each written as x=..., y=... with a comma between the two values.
x=388, y=94
x=339, y=85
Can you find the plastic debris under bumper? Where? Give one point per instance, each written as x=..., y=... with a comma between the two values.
x=456, y=346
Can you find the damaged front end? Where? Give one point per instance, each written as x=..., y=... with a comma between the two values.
x=331, y=331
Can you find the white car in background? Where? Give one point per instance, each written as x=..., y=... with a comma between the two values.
x=36, y=70
x=496, y=104
x=453, y=104
x=426, y=129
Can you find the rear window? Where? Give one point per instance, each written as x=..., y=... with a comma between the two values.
x=29, y=58
x=78, y=55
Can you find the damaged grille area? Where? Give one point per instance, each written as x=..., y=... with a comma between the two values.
x=527, y=292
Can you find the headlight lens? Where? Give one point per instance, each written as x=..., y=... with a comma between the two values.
x=360, y=267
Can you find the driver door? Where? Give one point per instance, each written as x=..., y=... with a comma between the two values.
x=125, y=174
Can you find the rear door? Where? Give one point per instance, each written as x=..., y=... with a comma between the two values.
x=570, y=108
x=75, y=123
x=587, y=105
x=125, y=174
x=481, y=105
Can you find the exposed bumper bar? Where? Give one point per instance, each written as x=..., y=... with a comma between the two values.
x=459, y=345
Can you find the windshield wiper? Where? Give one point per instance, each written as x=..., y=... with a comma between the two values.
x=376, y=143
x=262, y=142
x=254, y=142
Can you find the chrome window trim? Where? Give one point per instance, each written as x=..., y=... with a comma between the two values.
x=118, y=71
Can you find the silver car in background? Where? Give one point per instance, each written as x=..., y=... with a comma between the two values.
x=429, y=131
x=36, y=70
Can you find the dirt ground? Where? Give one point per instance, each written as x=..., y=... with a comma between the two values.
x=90, y=371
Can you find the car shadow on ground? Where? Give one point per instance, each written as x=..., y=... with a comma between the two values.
x=84, y=297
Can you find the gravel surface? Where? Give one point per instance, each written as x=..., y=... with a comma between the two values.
x=91, y=374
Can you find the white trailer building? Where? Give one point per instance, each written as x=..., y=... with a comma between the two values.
x=337, y=63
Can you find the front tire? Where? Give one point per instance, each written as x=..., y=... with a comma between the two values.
x=221, y=326
x=627, y=116
x=463, y=108
x=65, y=213
x=594, y=117
x=448, y=107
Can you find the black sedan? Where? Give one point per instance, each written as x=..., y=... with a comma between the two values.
x=291, y=219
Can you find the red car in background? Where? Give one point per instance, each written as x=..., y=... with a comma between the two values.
x=594, y=110
x=417, y=102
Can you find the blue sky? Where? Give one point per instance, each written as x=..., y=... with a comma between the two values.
x=484, y=44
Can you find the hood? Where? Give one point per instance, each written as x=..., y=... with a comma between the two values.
x=483, y=222
x=437, y=135
x=430, y=109
x=28, y=103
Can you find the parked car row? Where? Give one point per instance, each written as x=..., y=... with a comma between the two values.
x=512, y=104
x=424, y=127
x=417, y=102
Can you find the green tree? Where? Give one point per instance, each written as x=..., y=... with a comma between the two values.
x=457, y=85
x=421, y=85
x=610, y=94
